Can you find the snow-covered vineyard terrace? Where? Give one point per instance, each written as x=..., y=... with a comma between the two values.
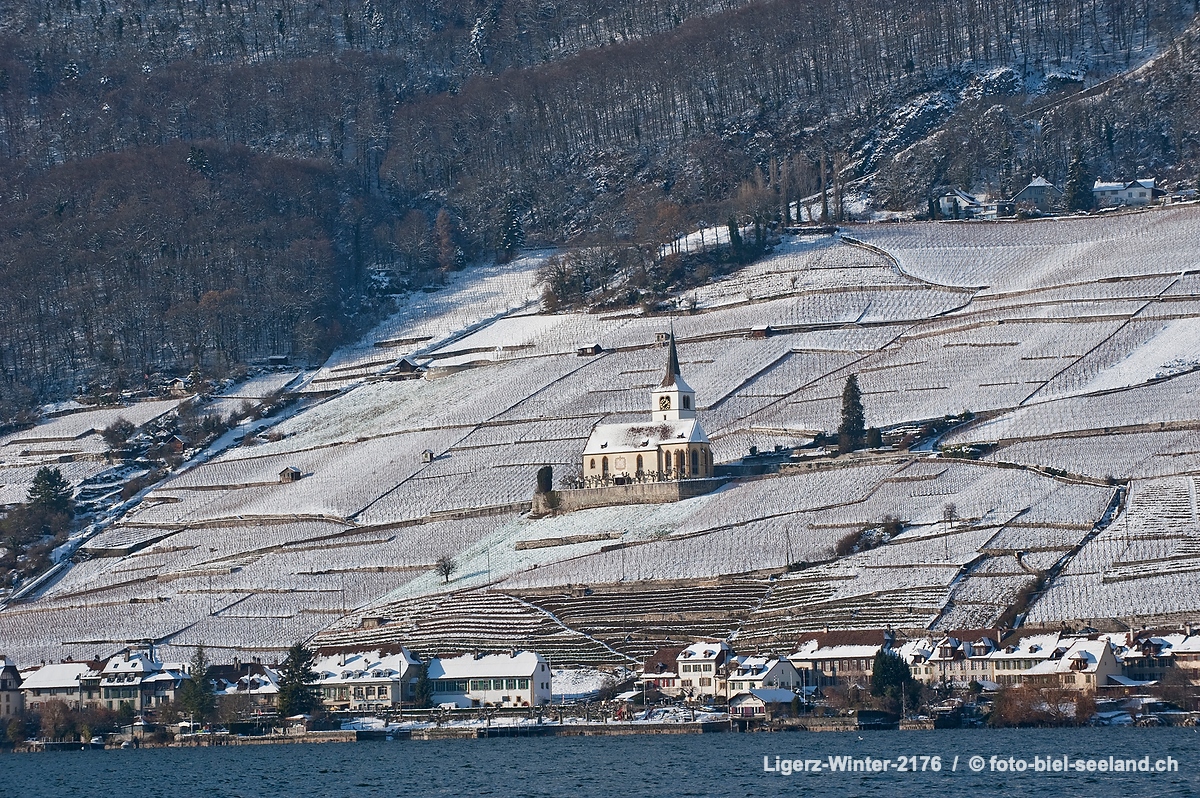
x=1033, y=383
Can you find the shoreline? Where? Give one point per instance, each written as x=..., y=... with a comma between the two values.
x=816, y=725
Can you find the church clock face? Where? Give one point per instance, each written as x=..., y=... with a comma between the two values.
x=664, y=403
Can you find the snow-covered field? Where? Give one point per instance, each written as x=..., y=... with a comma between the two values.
x=1073, y=342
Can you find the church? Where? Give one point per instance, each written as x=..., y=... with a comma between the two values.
x=671, y=445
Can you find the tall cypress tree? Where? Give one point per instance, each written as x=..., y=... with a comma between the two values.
x=852, y=430
x=423, y=691
x=512, y=238
x=1077, y=193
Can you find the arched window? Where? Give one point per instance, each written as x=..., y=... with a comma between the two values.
x=604, y=465
x=679, y=463
x=592, y=465
x=639, y=462
x=695, y=462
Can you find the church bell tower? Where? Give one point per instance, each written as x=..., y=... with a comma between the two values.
x=672, y=399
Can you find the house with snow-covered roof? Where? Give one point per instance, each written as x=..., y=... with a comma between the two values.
x=700, y=666
x=959, y=659
x=137, y=680
x=671, y=445
x=1185, y=649
x=58, y=681
x=840, y=658
x=1142, y=191
x=1040, y=193
x=763, y=702
x=1084, y=665
x=956, y=204
x=367, y=680
x=515, y=679
x=254, y=681
x=1016, y=657
x=754, y=673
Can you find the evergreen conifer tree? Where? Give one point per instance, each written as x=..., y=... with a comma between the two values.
x=50, y=491
x=890, y=675
x=423, y=692
x=196, y=694
x=513, y=236
x=1077, y=193
x=735, y=238
x=852, y=430
x=297, y=694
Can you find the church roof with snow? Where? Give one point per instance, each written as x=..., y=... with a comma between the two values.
x=643, y=436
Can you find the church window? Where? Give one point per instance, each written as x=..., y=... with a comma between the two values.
x=687, y=402
x=592, y=466
x=604, y=465
x=695, y=461
x=679, y=462
x=639, y=464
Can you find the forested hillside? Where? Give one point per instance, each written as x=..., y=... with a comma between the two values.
x=195, y=184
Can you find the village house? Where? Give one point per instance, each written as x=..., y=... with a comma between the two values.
x=827, y=659
x=137, y=680
x=754, y=673
x=957, y=204
x=658, y=670
x=767, y=703
x=1142, y=191
x=959, y=659
x=60, y=681
x=1040, y=193
x=1146, y=658
x=699, y=667
x=253, y=681
x=1010, y=662
x=11, y=702
x=671, y=445
x=1185, y=649
x=367, y=680
x=1085, y=665
x=519, y=678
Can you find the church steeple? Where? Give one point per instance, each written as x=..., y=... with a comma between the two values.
x=672, y=363
x=673, y=399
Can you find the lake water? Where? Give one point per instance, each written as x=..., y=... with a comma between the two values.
x=687, y=765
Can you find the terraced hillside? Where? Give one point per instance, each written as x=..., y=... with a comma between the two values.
x=1064, y=350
